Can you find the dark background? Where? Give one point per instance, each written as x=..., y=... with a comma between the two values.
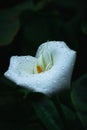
x=24, y=25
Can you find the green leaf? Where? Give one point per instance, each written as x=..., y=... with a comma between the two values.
x=70, y=118
x=79, y=99
x=9, y=20
x=46, y=112
x=66, y=109
x=9, y=26
x=30, y=5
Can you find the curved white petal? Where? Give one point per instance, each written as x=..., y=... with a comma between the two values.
x=48, y=82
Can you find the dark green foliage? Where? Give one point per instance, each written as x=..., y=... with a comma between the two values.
x=47, y=112
x=9, y=26
x=9, y=20
x=79, y=99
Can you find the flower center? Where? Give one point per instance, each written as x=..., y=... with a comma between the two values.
x=44, y=62
x=39, y=69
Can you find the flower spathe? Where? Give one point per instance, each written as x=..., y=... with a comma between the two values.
x=49, y=72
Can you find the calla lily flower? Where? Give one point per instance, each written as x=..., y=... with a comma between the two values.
x=48, y=72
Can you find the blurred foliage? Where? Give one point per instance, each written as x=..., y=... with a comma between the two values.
x=9, y=26
x=24, y=25
x=79, y=99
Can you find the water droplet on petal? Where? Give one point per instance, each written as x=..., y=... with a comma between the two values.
x=63, y=67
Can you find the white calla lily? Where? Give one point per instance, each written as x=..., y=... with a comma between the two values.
x=49, y=72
